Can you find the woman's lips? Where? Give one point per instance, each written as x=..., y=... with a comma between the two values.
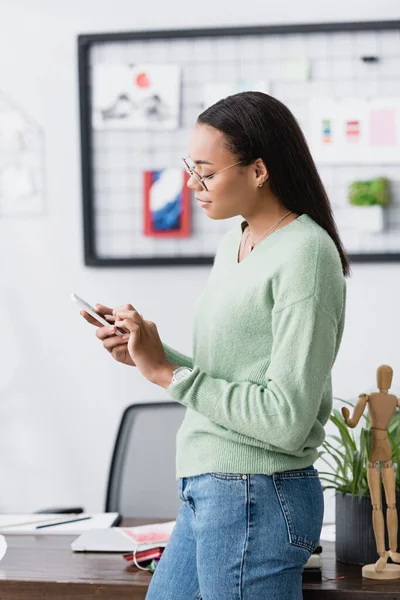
x=203, y=202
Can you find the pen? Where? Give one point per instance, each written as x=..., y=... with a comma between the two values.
x=62, y=522
x=23, y=523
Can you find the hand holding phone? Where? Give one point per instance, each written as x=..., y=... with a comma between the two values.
x=118, y=348
x=93, y=313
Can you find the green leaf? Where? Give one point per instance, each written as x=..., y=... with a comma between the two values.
x=347, y=457
x=338, y=463
x=337, y=455
x=337, y=419
x=358, y=463
x=336, y=475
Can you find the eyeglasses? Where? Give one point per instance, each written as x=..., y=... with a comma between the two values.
x=191, y=170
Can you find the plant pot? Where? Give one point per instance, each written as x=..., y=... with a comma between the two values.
x=369, y=219
x=355, y=540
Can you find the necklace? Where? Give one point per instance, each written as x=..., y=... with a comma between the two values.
x=270, y=230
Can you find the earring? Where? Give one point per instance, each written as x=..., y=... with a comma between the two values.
x=260, y=184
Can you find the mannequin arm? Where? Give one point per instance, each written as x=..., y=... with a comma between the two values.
x=357, y=412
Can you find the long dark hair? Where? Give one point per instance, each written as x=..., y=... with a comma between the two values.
x=256, y=125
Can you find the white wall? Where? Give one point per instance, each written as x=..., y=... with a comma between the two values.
x=61, y=396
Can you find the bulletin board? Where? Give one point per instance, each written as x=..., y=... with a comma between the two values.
x=136, y=206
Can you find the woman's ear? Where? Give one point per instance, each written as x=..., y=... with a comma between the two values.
x=260, y=172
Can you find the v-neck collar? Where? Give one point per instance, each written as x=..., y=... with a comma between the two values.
x=243, y=226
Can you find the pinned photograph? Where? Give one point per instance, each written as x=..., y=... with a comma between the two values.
x=166, y=203
x=141, y=97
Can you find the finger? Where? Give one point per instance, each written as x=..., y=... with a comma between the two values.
x=103, y=310
x=114, y=342
x=111, y=319
x=131, y=315
x=128, y=324
x=105, y=332
x=90, y=319
x=124, y=308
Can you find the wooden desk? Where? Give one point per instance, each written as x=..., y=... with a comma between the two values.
x=44, y=567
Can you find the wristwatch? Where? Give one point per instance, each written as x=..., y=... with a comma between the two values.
x=180, y=373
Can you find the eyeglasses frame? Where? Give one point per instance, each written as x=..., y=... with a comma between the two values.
x=201, y=179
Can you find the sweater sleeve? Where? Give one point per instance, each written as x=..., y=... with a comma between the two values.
x=282, y=409
x=177, y=357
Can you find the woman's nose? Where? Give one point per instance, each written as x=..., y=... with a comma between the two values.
x=193, y=183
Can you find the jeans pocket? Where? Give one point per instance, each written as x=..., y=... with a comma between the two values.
x=302, y=502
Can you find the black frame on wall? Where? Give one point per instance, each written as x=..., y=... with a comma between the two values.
x=84, y=43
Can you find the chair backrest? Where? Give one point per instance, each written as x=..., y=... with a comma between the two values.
x=142, y=479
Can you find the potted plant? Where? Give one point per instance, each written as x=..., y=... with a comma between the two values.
x=370, y=198
x=347, y=458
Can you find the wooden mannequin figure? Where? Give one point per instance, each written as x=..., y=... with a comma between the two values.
x=382, y=407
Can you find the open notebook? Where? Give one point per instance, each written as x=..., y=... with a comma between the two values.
x=124, y=539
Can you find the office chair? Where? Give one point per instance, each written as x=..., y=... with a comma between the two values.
x=141, y=480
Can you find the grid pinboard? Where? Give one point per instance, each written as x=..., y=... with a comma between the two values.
x=120, y=157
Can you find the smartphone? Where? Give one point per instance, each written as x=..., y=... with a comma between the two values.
x=89, y=309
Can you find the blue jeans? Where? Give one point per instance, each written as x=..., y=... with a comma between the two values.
x=241, y=537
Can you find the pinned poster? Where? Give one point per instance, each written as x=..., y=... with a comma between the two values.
x=13, y=128
x=352, y=123
x=323, y=136
x=142, y=96
x=21, y=161
x=212, y=92
x=384, y=129
x=355, y=131
x=166, y=203
x=298, y=69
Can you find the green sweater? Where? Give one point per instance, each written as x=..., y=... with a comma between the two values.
x=266, y=334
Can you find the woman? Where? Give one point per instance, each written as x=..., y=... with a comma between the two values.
x=258, y=390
